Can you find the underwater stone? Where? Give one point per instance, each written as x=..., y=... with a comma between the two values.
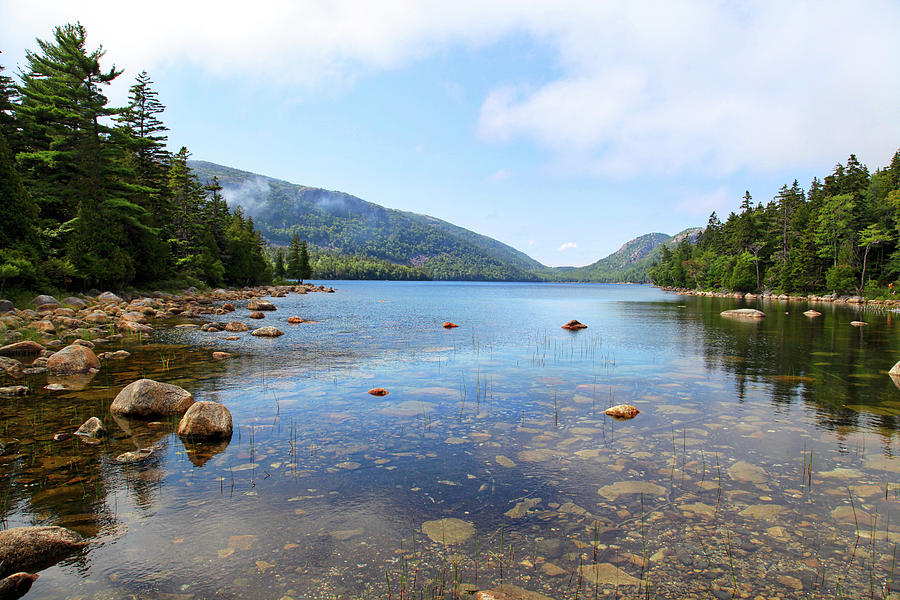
x=744, y=471
x=625, y=488
x=448, y=531
x=607, y=574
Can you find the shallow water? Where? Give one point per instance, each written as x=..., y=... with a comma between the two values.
x=761, y=464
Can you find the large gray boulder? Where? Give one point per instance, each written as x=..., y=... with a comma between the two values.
x=146, y=398
x=44, y=300
x=109, y=297
x=6, y=306
x=35, y=548
x=73, y=359
x=206, y=420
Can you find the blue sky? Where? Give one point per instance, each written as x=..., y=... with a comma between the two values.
x=563, y=129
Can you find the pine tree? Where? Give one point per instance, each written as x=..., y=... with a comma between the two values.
x=70, y=161
x=144, y=137
x=293, y=262
x=279, y=264
x=304, y=271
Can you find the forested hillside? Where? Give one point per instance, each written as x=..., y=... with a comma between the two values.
x=337, y=223
x=89, y=195
x=841, y=235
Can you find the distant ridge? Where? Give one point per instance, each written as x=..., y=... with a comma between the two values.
x=631, y=262
x=345, y=224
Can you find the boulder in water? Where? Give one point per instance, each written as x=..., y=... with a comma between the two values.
x=743, y=313
x=260, y=304
x=207, y=420
x=16, y=585
x=147, y=398
x=449, y=325
x=73, y=359
x=622, y=411
x=36, y=548
x=812, y=314
x=378, y=392
x=574, y=325
x=92, y=428
x=25, y=347
x=267, y=332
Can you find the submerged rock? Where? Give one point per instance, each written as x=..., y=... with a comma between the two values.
x=207, y=420
x=147, y=398
x=507, y=591
x=626, y=488
x=743, y=313
x=574, y=325
x=607, y=574
x=448, y=531
x=378, y=392
x=135, y=456
x=622, y=411
x=16, y=585
x=744, y=471
x=73, y=359
x=14, y=390
x=267, y=332
x=36, y=548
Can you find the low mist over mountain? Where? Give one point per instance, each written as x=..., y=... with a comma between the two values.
x=343, y=224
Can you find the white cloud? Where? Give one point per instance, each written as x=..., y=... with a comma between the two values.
x=651, y=87
x=566, y=246
x=501, y=174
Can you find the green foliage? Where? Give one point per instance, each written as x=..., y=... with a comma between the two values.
x=841, y=235
x=841, y=279
x=89, y=193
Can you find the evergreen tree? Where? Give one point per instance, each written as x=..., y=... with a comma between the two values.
x=279, y=270
x=304, y=270
x=70, y=160
x=293, y=262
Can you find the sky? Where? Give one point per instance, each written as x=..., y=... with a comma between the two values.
x=563, y=129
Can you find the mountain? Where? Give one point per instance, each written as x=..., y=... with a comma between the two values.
x=345, y=224
x=630, y=262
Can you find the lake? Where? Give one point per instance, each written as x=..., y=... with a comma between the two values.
x=763, y=462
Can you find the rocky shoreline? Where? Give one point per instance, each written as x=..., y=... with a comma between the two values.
x=768, y=296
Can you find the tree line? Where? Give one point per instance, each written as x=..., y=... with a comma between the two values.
x=842, y=235
x=90, y=194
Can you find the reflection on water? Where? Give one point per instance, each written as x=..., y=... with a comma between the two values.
x=761, y=464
